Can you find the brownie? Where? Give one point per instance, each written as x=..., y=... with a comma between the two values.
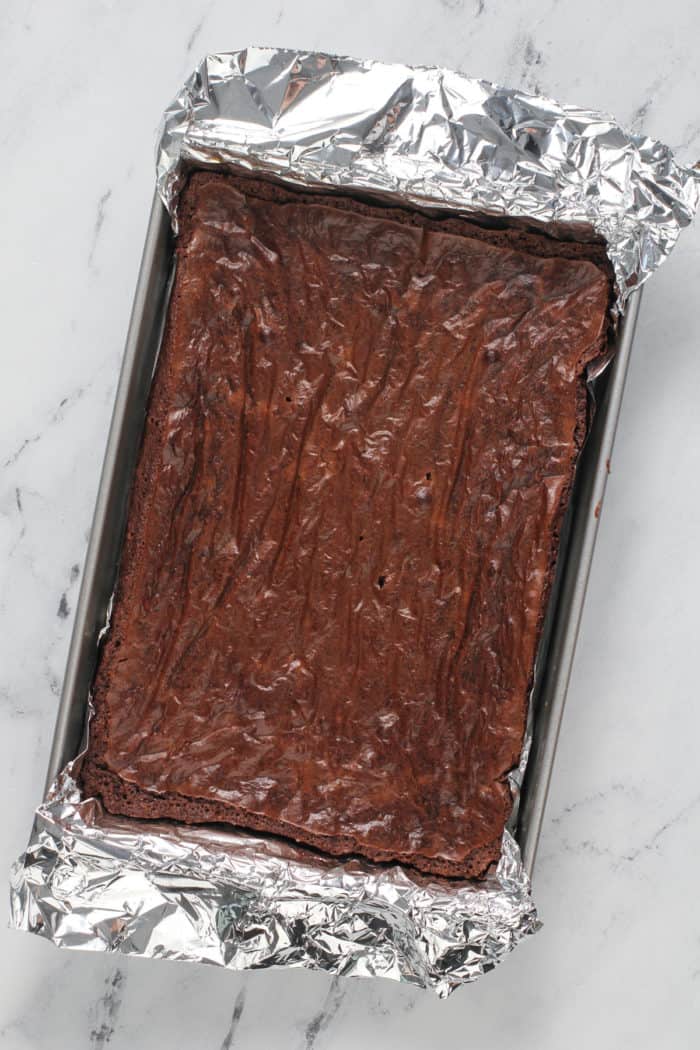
x=361, y=438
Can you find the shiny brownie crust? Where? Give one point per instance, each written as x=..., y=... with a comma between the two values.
x=360, y=443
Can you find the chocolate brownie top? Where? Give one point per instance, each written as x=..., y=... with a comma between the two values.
x=361, y=438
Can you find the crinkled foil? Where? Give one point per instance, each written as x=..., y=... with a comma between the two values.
x=90, y=880
x=431, y=138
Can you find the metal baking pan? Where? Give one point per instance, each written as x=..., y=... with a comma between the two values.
x=101, y=563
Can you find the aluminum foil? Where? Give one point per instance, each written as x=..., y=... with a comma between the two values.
x=432, y=138
x=89, y=880
x=426, y=137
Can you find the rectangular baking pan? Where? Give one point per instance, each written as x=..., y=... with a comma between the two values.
x=101, y=563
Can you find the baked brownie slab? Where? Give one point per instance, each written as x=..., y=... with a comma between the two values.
x=361, y=438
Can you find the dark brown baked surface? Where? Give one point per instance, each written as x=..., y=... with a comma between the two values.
x=361, y=438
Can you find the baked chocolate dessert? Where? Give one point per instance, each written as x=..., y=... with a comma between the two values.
x=361, y=439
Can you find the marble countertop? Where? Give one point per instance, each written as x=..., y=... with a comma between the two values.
x=617, y=963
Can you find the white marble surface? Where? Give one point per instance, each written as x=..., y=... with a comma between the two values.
x=618, y=961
